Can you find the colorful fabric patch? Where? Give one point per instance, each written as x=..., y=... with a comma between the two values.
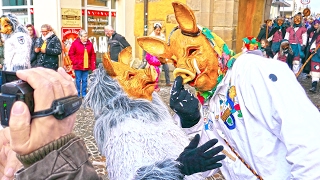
x=209, y=125
x=20, y=39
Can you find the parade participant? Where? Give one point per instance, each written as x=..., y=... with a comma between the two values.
x=249, y=44
x=127, y=110
x=285, y=54
x=246, y=102
x=155, y=63
x=116, y=42
x=17, y=43
x=83, y=59
x=312, y=34
x=48, y=48
x=297, y=37
x=315, y=62
x=265, y=29
x=277, y=34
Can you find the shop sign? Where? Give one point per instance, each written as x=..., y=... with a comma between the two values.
x=98, y=13
x=71, y=17
x=68, y=36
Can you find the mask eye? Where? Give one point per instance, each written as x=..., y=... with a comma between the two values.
x=192, y=51
x=130, y=75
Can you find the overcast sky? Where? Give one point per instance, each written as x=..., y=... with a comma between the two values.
x=314, y=6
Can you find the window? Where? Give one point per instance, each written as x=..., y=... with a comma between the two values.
x=22, y=14
x=98, y=2
x=14, y=2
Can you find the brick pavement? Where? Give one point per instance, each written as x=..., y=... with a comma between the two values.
x=85, y=123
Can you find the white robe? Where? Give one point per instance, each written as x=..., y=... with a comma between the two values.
x=278, y=135
x=17, y=52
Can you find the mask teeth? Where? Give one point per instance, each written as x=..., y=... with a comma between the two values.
x=195, y=65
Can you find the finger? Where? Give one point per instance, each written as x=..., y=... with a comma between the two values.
x=19, y=125
x=38, y=82
x=54, y=78
x=64, y=74
x=176, y=88
x=213, y=166
x=13, y=164
x=194, y=142
x=214, y=151
x=215, y=159
x=64, y=86
x=207, y=145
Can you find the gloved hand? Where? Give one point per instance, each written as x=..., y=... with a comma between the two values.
x=194, y=160
x=303, y=47
x=184, y=104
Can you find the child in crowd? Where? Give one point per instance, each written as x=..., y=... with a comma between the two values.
x=265, y=48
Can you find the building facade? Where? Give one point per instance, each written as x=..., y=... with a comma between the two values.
x=68, y=16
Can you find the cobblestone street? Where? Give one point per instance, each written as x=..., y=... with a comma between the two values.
x=85, y=123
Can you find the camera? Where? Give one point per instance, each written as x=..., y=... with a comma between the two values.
x=13, y=89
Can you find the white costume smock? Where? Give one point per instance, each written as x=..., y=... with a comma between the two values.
x=17, y=52
x=276, y=130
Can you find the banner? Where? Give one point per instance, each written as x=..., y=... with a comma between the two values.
x=71, y=17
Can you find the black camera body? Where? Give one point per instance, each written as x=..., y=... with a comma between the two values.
x=12, y=90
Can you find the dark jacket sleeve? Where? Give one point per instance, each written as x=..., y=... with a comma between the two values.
x=262, y=33
x=71, y=161
x=33, y=54
x=123, y=42
x=56, y=49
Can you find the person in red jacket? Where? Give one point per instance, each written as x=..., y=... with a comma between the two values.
x=83, y=59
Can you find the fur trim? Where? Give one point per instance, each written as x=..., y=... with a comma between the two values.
x=161, y=170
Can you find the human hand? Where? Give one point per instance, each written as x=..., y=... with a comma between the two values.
x=43, y=50
x=37, y=50
x=312, y=50
x=201, y=159
x=48, y=85
x=184, y=104
x=9, y=163
x=0, y=66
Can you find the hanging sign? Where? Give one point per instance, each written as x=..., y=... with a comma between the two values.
x=71, y=17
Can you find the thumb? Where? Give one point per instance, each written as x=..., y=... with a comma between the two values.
x=19, y=124
x=194, y=142
x=176, y=88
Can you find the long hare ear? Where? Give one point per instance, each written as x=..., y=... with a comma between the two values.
x=155, y=46
x=185, y=18
x=107, y=64
x=125, y=55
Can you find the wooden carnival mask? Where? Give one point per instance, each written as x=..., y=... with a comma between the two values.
x=6, y=25
x=297, y=19
x=196, y=56
x=137, y=83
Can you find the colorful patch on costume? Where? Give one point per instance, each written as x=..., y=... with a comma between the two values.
x=20, y=39
x=230, y=108
x=209, y=125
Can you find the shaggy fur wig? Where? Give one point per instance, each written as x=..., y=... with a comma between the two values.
x=16, y=26
x=137, y=136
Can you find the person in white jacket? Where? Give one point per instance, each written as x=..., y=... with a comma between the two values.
x=255, y=107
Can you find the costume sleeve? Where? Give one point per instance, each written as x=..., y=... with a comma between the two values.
x=304, y=38
x=275, y=57
x=71, y=161
x=273, y=97
x=56, y=49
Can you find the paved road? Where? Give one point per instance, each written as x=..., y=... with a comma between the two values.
x=85, y=123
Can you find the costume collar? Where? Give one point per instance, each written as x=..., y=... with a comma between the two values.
x=297, y=25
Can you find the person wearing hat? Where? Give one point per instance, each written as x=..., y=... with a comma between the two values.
x=277, y=34
x=297, y=37
x=315, y=62
x=312, y=34
x=285, y=53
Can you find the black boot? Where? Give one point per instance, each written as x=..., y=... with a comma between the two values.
x=314, y=87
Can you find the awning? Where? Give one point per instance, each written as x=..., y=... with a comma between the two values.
x=282, y=3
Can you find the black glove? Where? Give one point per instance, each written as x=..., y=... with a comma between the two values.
x=184, y=104
x=194, y=160
x=312, y=51
x=303, y=47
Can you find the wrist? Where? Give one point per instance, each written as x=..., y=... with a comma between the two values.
x=37, y=155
